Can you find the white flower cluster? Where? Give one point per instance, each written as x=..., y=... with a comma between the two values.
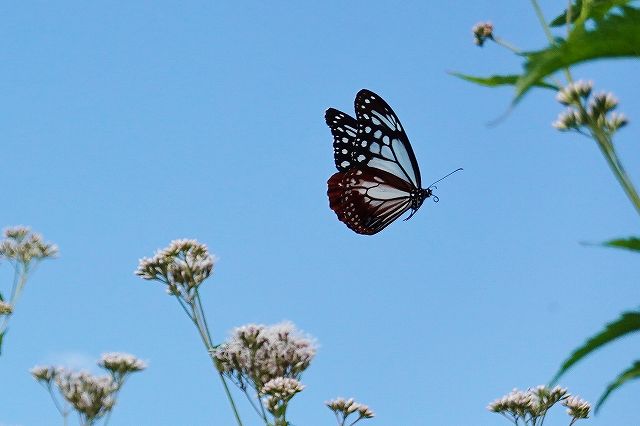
x=577, y=408
x=182, y=266
x=279, y=391
x=5, y=308
x=43, y=373
x=533, y=402
x=91, y=396
x=597, y=113
x=23, y=246
x=119, y=363
x=343, y=408
x=575, y=91
x=256, y=354
x=282, y=387
x=481, y=32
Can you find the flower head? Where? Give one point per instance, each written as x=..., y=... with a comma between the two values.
x=534, y=402
x=182, y=266
x=343, y=408
x=568, y=120
x=5, y=308
x=616, y=120
x=577, y=408
x=481, y=32
x=278, y=392
x=120, y=364
x=22, y=246
x=573, y=92
x=91, y=396
x=256, y=354
x=44, y=373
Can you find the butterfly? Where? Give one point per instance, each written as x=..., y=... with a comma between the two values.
x=378, y=177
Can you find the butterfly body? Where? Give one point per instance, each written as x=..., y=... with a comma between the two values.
x=378, y=177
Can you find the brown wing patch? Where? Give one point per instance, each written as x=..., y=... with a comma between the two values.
x=367, y=199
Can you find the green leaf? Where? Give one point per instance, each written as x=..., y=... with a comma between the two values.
x=561, y=20
x=613, y=36
x=628, y=323
x=499, y=80
x=631, y=373
x=1, y=338
x=595, y=9
x=632, y=243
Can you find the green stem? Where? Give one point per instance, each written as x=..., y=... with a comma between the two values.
x=547, y=30
x=205, y=336
x=229, y=397
x=502, y=42
x=543, y=22
x=607, y=149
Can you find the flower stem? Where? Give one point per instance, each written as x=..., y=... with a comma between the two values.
x=597, y=133
x=203, y=330
x=547, y=30
x=502, y=42
x=609, y=153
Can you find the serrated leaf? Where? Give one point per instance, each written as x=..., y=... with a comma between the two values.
x=595, y=9
x=628, y=323
x=629, y=374
x=632, y=243
x=561, y=19
x=499, y=80
x=613, y=36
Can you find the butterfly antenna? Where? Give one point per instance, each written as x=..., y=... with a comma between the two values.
x=442, y=178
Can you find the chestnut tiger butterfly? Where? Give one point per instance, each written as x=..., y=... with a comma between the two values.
x=378, y=177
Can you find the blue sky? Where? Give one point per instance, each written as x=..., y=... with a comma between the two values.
x=129, y=124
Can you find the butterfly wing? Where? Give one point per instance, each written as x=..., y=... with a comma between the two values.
x=344, y=129
x=368, y=199
x=381, y=140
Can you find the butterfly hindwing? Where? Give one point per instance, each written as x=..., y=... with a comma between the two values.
x=344, y=129
x=367, y=199
x=381, y=139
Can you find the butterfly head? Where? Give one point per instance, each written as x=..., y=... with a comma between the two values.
x=417, y=198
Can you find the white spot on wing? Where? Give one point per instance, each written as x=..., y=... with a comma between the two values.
x=387, y=166
x=403, y=158
x=386, y=152
x=384, y=119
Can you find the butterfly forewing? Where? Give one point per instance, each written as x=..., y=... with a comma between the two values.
x=381, y=139
x=344, y=129
x=367, y=199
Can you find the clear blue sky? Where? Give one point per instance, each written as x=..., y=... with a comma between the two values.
x=125, y=125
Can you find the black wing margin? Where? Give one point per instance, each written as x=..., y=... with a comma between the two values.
x=382, y=140
x=344, y=129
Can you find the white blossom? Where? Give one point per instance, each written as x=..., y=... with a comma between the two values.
x=121, y=363
x=577, y=408
x=182, y=266
x=256, y=354
x=343, y=408
x=5, y=308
